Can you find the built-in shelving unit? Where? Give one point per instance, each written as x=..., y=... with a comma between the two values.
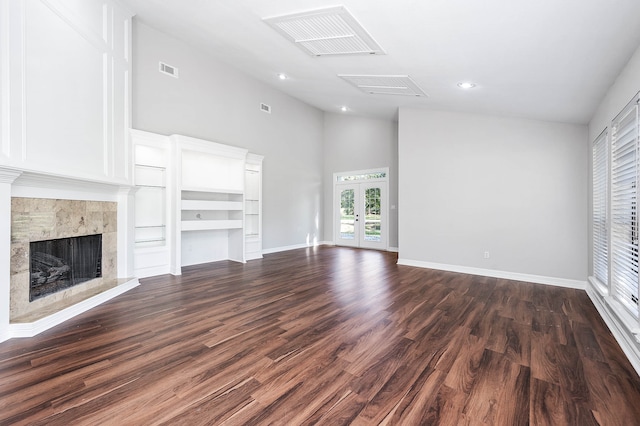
x=253, y=207
x=210, y=189
x=196, y=201
x=152, y=179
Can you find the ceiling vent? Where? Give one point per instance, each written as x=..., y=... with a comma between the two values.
x=330, y=31
x=385, y=84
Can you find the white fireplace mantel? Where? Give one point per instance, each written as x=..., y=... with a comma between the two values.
x=29, y=184
x=46, y=185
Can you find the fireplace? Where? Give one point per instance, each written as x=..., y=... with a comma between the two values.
x=45, y=207
x=60, y=250
x=62, y=263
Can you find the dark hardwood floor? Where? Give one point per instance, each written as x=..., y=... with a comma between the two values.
x=324, y=336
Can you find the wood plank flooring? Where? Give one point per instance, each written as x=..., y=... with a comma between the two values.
x=324, y=336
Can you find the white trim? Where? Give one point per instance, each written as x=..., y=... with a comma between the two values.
x=623, y=317
x=33, y=328
x=199, y=146
x=622, y=335
x=295, y=247
x=331, y=243
x=538, y=279
x=598, y=286
x=152, y=271
x=253, y=256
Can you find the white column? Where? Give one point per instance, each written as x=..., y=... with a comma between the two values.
x=7, y=177
x=126, y=232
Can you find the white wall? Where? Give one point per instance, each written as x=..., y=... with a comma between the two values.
x=359, y=143
x=516, y=188
x=65, y=70
x=213, y=101
x=619, y=94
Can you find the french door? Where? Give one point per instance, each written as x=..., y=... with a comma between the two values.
x=361, y=214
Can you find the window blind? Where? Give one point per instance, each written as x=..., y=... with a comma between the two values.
x=600, y=160
x=624, y=215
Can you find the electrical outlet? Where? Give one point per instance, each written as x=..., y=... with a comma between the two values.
x=486, y=255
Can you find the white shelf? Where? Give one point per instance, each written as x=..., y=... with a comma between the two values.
x=140, y=164
x=211, y=205
x=203, y=225
x=211, y=190
x=150, y=244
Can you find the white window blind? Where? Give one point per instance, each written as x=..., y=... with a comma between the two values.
x=600, y=208
x=624, y=214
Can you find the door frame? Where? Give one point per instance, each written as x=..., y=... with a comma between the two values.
x=384, y=182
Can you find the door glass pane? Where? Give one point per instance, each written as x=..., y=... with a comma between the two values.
x=372, y=227
x=376, y=175
x=347, y=222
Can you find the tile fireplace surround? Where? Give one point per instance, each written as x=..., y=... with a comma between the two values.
x=38, y=219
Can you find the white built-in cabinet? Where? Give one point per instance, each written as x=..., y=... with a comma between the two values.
x=253, y=207
x=153, y=186
x=210, y=195
x=196, y=201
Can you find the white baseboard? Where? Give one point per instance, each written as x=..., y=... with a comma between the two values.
x=294, y=247
x=253, y=256
x=623, y=336
x=152, y=271
x=538, y=279
x=33, y=328
x=321, y=243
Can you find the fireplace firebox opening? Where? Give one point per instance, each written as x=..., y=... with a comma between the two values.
x=62, y=263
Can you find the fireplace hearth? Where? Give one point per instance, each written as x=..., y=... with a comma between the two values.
x=62, y=263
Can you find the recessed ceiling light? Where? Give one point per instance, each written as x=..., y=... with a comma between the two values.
x=466, y=85
x=344, y=108
x=283, y=76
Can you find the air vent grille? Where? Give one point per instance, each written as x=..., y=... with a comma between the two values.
x=385, y=84
x=168, y=69
x=330, y=31
x=265, y=108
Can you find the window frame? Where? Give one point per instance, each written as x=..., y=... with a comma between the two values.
x=622, y=174
x=600, y=213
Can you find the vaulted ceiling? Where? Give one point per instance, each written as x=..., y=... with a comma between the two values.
x=544, y=59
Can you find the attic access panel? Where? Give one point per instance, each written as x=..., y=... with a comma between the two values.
x=329, y=31
x=385, y=84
